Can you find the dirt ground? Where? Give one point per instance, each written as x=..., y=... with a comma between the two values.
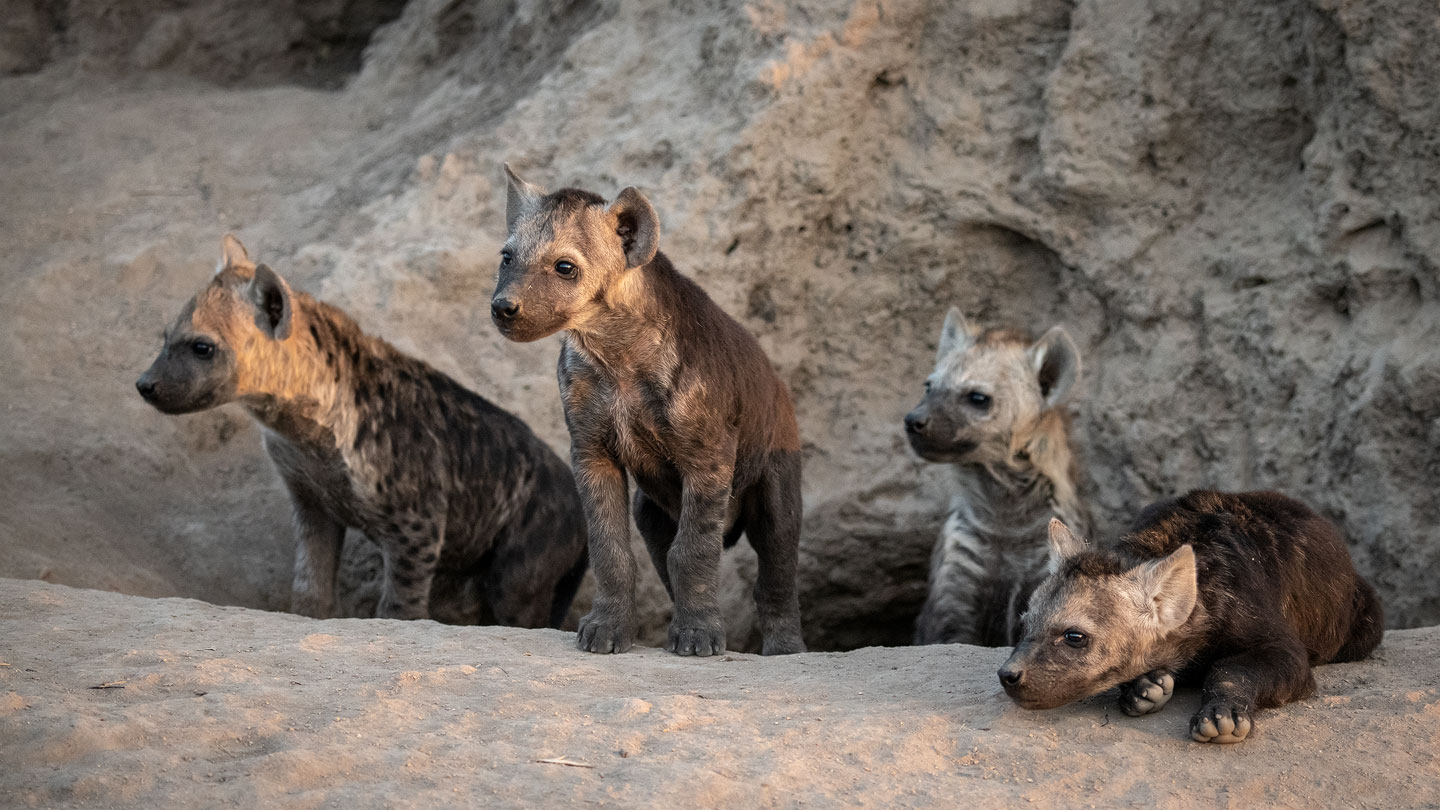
x=118, y=701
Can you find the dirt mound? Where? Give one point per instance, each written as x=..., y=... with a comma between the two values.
x=147, y=703
x=1230, y=208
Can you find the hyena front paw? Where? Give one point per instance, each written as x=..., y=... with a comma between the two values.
x=605, y=633
x=782, y=645
x=695, y=636
x=1221, y=721
x=1147, y=693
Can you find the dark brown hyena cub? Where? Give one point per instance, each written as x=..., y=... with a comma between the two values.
x=447, y=484
x=1242, y=593
x=659, y=384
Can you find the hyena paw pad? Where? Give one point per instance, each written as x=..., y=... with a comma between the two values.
x=1147, y=694
x=700, y=641
x=1220, y=722
x=602, y=635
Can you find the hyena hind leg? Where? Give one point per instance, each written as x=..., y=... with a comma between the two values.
x=1367, y=625
x=773, y=527
x=659, y=530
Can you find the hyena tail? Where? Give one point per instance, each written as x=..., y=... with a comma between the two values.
x=567, y=586
x=1367, y=624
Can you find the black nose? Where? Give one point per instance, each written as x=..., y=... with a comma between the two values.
x=914, y=423
x=503, y=309
x=1011, y=677
x=146, y=389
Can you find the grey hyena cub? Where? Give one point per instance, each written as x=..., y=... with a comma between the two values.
x=660, y=385
x=1242, y=593
x=364, y=436
x=994, y=410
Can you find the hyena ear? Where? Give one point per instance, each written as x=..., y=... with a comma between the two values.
x=271, y=297
x=232, y=254
x=954, y=335
x=1063, y=544
x=1056, y=361
x=1169, y=588
x=638, y=227
x=520, y=196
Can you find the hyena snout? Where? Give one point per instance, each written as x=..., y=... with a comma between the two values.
x=1011, y=677
x=916, y=421
x=504, y=310
x=146, y=387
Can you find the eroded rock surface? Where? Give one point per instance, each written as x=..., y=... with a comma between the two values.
x=1231, y=208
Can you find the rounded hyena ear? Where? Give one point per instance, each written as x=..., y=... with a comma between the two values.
x=1168, y=589
x=520, y=197
x=1056, y=361
x=232, y=255
x=271, y=297
x=955, y=335
x=1063, y=544
x=637, y=225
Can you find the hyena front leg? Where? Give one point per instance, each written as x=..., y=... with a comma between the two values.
x=956, y=568
x=698, y=628
x=317, y=558
x=773, y=528
x=609, y=627
x=1270, y=673
x=411, y=557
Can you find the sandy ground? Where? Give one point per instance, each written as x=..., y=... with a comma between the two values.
x=110, y=700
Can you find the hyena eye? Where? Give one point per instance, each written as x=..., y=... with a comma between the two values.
x=203, y=349
x=1076, y=639
x=565, y=269
x=505, y=258
x=978, y=400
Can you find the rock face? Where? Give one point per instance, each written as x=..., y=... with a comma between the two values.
x=1231, y=209
x=134, y=702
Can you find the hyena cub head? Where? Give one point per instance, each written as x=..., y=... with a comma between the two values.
x=210, y=349
x=566, y=256
x=1094, y=622
x=987, y=388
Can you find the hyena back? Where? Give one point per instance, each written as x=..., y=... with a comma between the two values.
x=364, y=436
x=994, y=410
x=661, y=386
x=1242, y=593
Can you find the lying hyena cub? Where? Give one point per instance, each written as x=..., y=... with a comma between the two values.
x=364, y=436
x=659, y=384
x=1241, y=592
x=994, y=410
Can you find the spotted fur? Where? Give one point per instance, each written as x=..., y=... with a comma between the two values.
x=1014, y=472
x=369, y=438
x=1240, y=593
x=661, y=386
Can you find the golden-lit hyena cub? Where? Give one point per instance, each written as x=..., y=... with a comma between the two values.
x=993, y=409
x=449, y=486
x=1241, y=593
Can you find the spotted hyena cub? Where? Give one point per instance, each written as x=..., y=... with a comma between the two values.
x=662, y=386
x=1242, y=593
x=447, y=484
x=994, y=410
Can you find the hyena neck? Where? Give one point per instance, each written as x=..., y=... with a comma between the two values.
x=629, y=332
x=1012, y=500
x=303, y=388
